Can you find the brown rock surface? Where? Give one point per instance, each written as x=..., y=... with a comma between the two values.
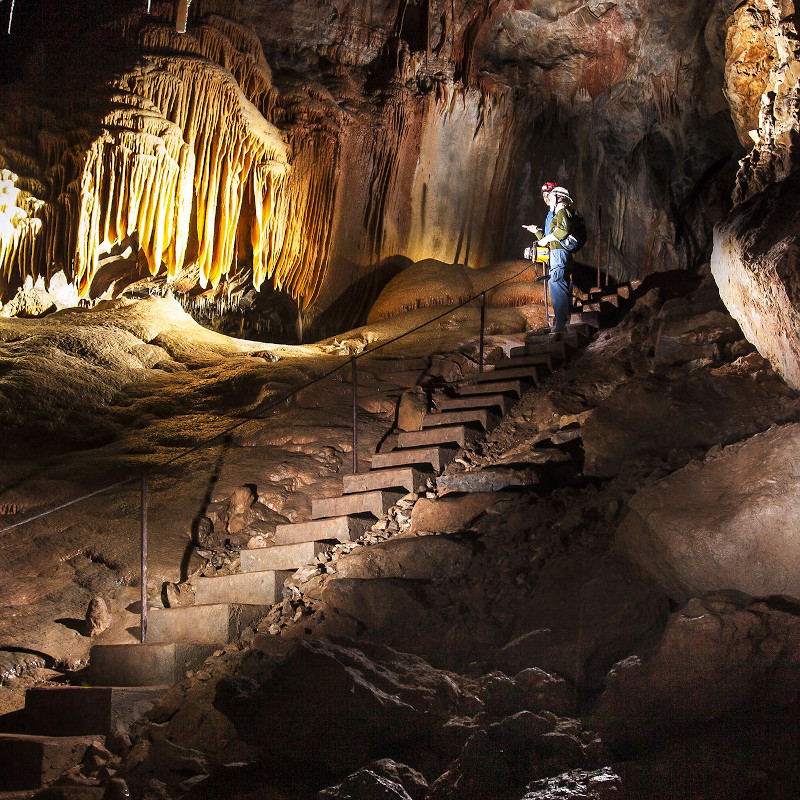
x=754, y=263
x=651, y=416
x=98, y=617
x=449, y=514
x=383, y=778
x=719, y=655
x=411, y=410
x=374, y=699
x=728, y=522
x=423, y=558
x=584, y=615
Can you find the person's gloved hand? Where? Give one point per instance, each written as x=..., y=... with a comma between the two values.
x=536, y=231
x=547, y=240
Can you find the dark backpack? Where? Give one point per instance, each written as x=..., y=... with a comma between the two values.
x=576, y=238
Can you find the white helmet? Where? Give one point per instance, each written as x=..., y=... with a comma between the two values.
x=561, y=193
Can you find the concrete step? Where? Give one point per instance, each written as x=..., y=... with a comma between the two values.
x=610, y=298
x=86, y=710
x=573, y=338
x=460, y=435
x=558, y=350
x=436, y=455
x=375, y=503
x=340, y=529
x=505, y=387
x=478, y=416
x=28, y=762
x=261, y=588
x=496, y=401
x=591, y=318
x=523, y=373
x=145, y=664
x=624, y=292
x=486, y=480
x=282, y=557
x=409, y=478
x=525, y=360
x=218, y=623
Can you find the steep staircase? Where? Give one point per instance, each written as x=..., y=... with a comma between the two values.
x=62, y=723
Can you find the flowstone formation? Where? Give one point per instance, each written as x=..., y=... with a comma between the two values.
x=320, y=150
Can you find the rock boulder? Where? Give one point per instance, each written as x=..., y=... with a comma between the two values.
x=723, y=654
x=584, y=616
x=754, y=262
x=729, y=522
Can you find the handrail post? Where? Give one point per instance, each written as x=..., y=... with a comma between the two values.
x=143, y=634
x=608, y=254
x=599, y=240
x=483, y=324
x=354, y=375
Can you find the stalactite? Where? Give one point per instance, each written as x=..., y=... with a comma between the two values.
x=20, y=226
x=224, y=42
x=200, y=133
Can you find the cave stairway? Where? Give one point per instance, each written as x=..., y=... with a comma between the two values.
x=463, y=412
x=62, y=723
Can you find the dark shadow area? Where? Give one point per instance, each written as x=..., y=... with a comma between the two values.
x=78, y=625
x=48, y=660
x=13, y=722
x=350, y=309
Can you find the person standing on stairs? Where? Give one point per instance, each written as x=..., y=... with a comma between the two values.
x=543, y=237
x=560, y=262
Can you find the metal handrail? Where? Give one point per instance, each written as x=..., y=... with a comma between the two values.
x=144, y=474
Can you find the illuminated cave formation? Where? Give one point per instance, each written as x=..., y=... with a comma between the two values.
x=356, y=142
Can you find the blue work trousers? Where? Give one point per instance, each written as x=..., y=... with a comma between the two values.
x=560, y=289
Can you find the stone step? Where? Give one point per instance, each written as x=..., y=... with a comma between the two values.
x=573, y=338
x=591, y=318
x=478, y=416
x=217, y=623
x=624, y=292
x=340, y=529
x=437, y=456
x=506, y=387
x=375, y=503
x=498, y=401
x=282, y=557
x=523, y=373
x=460, y=435
x=145, y=664
x=259, y=588
x=611, y=299
x=409, y=478
x=486, y=480
x=525, y=360
x=28, y=762
x=557, y=350
x=86, y=710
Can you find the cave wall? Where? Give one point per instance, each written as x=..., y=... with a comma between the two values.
x=756, y=248
x=321, y=147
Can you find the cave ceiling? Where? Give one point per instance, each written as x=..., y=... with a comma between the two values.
x=314, y=149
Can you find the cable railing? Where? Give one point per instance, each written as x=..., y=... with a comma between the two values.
x=143, y=476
